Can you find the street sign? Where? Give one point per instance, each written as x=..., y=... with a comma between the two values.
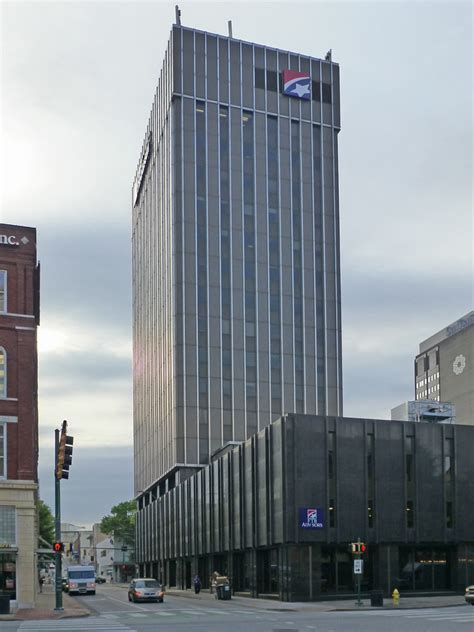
x=358, y=567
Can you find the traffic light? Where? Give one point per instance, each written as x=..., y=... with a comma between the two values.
x=58, y=547
x=358, y=547
x=64, y=456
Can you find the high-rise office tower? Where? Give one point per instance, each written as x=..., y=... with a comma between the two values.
x=236, y=276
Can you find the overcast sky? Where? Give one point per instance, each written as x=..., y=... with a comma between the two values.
x=77, y=83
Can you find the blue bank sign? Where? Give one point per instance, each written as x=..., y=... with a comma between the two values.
x=311, y=518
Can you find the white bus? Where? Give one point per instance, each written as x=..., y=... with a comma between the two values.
x=81, y=580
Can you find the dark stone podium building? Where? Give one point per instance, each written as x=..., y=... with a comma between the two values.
x=278, y=512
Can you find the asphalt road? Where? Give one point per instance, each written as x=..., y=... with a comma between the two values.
x=113, y=613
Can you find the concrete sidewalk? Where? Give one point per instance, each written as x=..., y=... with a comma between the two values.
x=434, y=601
x=45, y=604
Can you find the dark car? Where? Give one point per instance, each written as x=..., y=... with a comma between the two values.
x=145, y=589
x=65, y=584
x=100, y=580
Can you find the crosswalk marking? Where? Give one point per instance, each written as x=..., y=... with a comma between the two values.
x=71, y=625
x=421, y=613
x=51, y=624
x=194, y=612
x=426, y=614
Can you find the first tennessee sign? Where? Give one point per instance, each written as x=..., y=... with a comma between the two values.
x=311, y=518
x=8, y=240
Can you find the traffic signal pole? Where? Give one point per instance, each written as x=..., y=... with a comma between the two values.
x=359, y=602
x=57, y=528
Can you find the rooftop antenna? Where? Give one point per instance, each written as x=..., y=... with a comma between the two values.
x=178, y=15
x=329, y=55
x=229, y=24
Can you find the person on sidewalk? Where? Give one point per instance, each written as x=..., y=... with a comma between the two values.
x=41, y=582
x=197, y=584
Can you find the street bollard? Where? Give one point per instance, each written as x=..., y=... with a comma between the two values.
x=396, y=597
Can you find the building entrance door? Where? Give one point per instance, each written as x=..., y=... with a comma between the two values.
x=267, y=572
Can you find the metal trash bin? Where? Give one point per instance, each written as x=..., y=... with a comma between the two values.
x=227, y=592
x=376, y=598
x=4, y=604
x=223, y=591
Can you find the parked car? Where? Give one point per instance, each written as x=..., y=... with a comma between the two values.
x=100, y=580
x=145, y=589
x=65, y=584
x=469, y=595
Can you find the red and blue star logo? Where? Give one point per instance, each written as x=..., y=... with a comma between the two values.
x=297, y=84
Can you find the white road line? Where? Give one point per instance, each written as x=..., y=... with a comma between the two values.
x=193, y=612
x=246, y=612
x=453, y=617
x=165, y=614
x=218, y=612
x=30, y=627
x=130, y=603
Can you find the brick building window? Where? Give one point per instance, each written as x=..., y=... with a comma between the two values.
x=3, y=290
x=3, y=450
x=7, y=524
x=3, y=372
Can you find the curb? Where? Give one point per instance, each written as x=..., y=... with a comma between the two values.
x=404, y=607
x=326, y=608
x=46, y=617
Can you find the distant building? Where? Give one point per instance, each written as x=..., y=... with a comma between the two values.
x=114, y=560
x=444, y=368
x=425, y=410
x=105, y=556
x=77, y=545
x=19, y=318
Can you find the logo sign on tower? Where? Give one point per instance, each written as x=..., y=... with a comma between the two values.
x=297, y=84
x=312, y=518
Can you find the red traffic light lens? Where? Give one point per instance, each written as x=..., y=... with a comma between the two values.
x=363, y=548
x=58, y=546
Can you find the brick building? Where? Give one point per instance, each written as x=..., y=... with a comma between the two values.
x=19, y=318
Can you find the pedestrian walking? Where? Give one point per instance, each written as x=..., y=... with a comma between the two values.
x=41, y=582
x=197, y=584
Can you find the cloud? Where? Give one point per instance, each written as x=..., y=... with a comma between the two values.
x=77, y=84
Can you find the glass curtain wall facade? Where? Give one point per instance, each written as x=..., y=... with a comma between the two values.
x=236, y=282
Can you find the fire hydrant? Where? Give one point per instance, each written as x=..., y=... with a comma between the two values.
x=396, y=597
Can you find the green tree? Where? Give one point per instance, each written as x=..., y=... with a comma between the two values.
x=46, y=523
x=121, y=522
